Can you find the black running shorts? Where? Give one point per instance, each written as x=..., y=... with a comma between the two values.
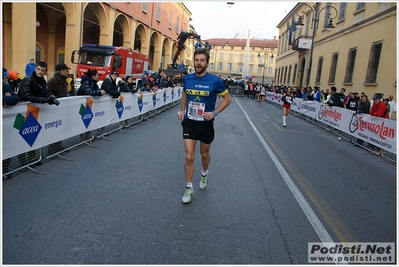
x=198, y=130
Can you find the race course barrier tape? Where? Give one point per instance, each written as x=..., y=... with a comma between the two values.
x=29, y=126
x=380, y=132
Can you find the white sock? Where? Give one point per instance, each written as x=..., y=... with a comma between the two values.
x=284, y=119
x=189, y=185
x=204, y=173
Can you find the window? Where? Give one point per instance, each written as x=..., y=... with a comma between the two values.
x=220, y=66
x=230, y=67
x=239, y=68
x=270, y=70
x=159, y=12
x=289, y=74
x=328, y=13
x=221, y=56
x=360, y=6
x=319, y=68
x=294, y=76
x=374, y=61
x=342, y=9
x=251, y=58
x=145, y=7
x=260, y=69
x=251, y=68
x=241, y=57
x=285, y=74
x=170, y=19
x=333, y=68
x=230, y=56
x=177, y=24
x=307, y=25
x=213, y=55
x=211, y=66
x=350, y=65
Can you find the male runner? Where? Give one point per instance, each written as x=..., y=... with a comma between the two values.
x=197, y=113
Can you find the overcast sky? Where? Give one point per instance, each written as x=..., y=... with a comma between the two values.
x=214, y=19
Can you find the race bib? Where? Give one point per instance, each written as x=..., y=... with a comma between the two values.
x=196, y=111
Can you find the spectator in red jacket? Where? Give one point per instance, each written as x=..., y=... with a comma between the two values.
x=379, y=109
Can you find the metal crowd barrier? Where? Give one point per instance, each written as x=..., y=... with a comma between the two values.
x=30, y=159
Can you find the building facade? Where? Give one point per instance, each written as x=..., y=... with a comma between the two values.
x=347, y=45
x=50, y=31
x=243, y=58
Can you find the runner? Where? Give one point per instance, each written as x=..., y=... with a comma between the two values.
x=197, y=113
x=262, y=94
x=287, y=101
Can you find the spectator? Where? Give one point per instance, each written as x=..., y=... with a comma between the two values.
x=309, y=94
x=379, y=109
x=352, y=103
x=10, y=98
x=169, y=80
x=386, y=102
x=363, y=108
x=59, y=87
x=316, y=94
x=88, y=84
x=34, y=89
x=147, y=87
x=109, y=84
x=151, y=82
x=303, y=93
x=30, y=67
x=14, y=79
x=335, y=99
x=341, y=95
x=392, y=104
x=325, y=95
x=127, y=85
x=364, y=105
x=58, y=84
x=357, y=97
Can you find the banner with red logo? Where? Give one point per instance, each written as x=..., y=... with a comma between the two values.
x=377, y=131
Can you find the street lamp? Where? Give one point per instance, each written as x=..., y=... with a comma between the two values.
x=316, y=16
x=264, y=64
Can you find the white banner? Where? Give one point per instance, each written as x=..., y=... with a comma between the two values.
x=377, y=131
x=29, y=126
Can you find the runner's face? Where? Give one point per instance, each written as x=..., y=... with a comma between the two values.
x=200, y=64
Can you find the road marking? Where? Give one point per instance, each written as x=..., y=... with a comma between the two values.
x=312, y=217
x=292, y=131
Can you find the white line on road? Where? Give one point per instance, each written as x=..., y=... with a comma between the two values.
x=312, y=217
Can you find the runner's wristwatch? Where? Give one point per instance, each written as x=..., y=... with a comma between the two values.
x=215, y=112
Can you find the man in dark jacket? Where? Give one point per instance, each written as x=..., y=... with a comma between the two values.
x=335, y=99
x=34, y=88
x=109, y=84
x=59, y=87
x=58, y=84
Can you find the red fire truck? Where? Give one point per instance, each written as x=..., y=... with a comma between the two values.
x=105, y=59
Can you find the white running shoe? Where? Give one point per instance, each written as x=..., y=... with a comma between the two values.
x=204, y=181
x=187, y=195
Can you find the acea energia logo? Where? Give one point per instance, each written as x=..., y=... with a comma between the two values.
x=119, y=106
x=28, y=126
x=86, y=113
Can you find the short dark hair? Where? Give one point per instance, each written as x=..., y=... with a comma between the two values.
x=204, y=51
x=42, y=64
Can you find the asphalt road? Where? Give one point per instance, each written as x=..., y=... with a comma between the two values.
x=120, y=203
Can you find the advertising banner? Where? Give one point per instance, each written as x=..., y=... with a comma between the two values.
x=29, y=126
